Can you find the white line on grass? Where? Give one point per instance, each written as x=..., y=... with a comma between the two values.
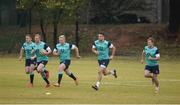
x=128, y=83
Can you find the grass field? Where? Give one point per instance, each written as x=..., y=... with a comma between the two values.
x=129, y=88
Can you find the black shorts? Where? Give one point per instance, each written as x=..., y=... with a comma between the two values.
x=152, y=69
x=66, y=63
x=28, y=62
x=42, y=62
x=103, y=63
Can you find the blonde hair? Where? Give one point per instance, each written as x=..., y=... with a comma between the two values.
x=38, y=35
x=62, y=36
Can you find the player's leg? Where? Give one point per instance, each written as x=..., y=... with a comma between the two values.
x=28, y=71
x=71, y=75
x=108, y=72
x=27, y=66
x=147, y=73
x=155, y=78
x=60, y=74
x=43, y=74
x=102, y=67
x=156, y=82
x=32, y=66
x=99, y=78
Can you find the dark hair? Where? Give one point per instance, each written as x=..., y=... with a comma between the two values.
x=29, y=35
x=151, y=39
x=101, y=33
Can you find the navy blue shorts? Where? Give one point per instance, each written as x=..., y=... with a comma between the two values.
x=66, y=63
x=42, y=62
x=152, y=69
x=103, y=63
x=28, y=62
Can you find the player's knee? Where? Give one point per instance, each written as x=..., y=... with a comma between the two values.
x=39, y=69
x=99, y=72
x=155, y=77
x=27, y=72
x=104, y=73
x=68, y=72
x=146, y=75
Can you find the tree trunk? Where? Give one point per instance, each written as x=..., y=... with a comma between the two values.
x=77, y=33
x=174, y=20
x=55, y=24
x=77, y=30
x=30, y=20
x=42, y=30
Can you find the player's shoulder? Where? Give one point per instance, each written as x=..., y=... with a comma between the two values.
x=96, y=41
x=33, y=44
x=107, y=41
x=67, y=43
x=43, y=42
x=58, y=44
x=146, y=47
x=155, y=48
x=24, y=43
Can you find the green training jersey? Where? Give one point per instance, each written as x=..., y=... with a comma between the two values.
x=38, y=47
x=28, y=47
x=64, y=51
x=153, y=52
x=103, y=48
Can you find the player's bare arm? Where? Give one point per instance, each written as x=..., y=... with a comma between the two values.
x=95, y=51
x=21, y=54
x=113, y=49
x=142, y=56
x=77, y=52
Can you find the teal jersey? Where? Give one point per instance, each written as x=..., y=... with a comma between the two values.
x=28, y=47
x=64, y=51
x=151, y=52
x=38, y=48
x=103, y=48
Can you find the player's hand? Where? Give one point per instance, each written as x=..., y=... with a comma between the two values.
x=142, y=61
x=150, y=58
x=111, y=57
x=96, y=52
x=78, y=56
x=44, y=53
x=56, y=53
x=32, y=58
x=20, y=58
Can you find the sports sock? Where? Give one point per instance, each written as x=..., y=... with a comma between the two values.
x=60, y=77
x=46, y=80
x=31, y=78
x=112, y=72
x=72, y=76
x=98, y=84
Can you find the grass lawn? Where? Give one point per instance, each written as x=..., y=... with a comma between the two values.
x=129, y=88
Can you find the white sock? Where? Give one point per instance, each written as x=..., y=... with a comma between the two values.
x=112, y=72
x=98, y=84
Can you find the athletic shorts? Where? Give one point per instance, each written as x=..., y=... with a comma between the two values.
x=103, y=63
x=28, y=62
x=152, y=69
x=66, y=63
x=42, y=62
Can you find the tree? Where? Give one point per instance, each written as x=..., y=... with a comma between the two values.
x=26, y=6
x=56, y=11
x=50, y=11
